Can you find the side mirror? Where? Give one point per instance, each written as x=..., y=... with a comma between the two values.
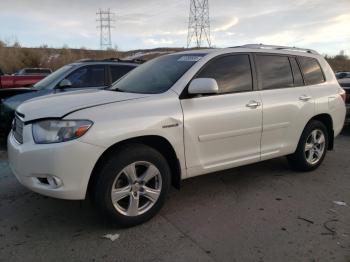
x=65, y=83
x=203, y=86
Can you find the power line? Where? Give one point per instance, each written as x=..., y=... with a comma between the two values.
x=106, y=21
x=199, y=23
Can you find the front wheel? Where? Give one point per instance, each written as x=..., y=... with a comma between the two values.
x=132, y=185
x=312, y=147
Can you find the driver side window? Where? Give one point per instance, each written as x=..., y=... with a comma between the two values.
x=88, y=76
x=232, y=73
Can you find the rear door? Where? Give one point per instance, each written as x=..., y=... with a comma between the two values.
x=287, y=103
x=223, y=130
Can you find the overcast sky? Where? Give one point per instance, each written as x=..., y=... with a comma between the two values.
x=320, y=24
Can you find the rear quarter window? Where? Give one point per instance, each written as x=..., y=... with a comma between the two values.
x=312, y=71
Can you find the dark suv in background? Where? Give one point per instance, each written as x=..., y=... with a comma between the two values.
x=84, y=74
x=345, y=84
x=342, y=75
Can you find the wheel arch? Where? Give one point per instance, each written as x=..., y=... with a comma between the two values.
x=327, y=120
x=159, y=143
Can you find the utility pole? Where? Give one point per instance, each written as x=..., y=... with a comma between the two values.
x=199, y=23
x=105, y=20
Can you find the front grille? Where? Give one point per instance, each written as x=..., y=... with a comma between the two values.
x=17, y=129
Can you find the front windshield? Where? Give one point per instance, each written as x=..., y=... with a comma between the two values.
x=44, y=83
x=157, y=75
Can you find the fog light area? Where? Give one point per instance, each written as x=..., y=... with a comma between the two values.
x=50, y=181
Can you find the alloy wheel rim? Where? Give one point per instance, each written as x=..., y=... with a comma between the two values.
x=315, y=146
x=136, y=188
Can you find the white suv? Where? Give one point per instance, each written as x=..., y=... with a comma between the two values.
x=175, y=117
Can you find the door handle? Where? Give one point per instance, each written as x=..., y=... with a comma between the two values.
x=253, y=104
x=304, y=98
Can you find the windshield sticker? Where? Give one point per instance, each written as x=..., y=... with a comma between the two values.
x=189, y=58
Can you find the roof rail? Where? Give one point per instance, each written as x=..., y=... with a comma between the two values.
x=277, y=47
x=87, y=60
x=84, y=60
x=135, y=60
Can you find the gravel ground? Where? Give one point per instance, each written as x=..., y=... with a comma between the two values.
x=260, y=212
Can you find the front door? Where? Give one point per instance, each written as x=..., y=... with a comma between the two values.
x=223, y=130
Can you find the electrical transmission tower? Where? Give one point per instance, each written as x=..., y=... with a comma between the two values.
x=199, y=23
x=105, y=20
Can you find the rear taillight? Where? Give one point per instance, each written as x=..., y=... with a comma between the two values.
x=343, y=95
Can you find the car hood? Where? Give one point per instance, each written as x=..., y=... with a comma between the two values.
x=15, y=100
x=60, y=105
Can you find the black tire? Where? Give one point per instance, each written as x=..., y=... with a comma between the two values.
x=298, y=160
x=113, y=166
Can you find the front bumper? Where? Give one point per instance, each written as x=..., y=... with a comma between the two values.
x=69, y=162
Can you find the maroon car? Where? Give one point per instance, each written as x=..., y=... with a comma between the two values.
x=20, y=80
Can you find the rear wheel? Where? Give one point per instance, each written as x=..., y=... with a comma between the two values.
x=132, y=185
x=312, y=147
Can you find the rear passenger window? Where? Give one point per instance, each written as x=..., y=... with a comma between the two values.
x=232, y=73
x=312, y=71
x=298, y=79
x=275, y=71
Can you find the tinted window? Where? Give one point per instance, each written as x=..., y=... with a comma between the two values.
x=157, y=75
x=232, y=73
x=312, y=71
x=298, y=79
x=119, y=71
x=275, y=71
x=47, y=81
x=88, y=76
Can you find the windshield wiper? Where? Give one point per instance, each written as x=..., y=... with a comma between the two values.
x=118, y=90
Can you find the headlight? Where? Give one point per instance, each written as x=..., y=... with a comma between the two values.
x=56, y=131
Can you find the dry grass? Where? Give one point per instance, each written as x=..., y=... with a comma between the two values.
x=15, y=57
x=339, y=63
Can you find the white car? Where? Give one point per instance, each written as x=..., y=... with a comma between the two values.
x=176, y=117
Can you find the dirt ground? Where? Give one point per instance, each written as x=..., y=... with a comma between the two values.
x=260, y=212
